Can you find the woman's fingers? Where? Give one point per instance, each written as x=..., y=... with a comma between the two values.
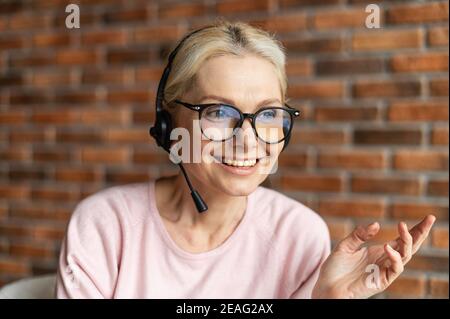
x=357, y=237
x=406, y=242
x=420, y=232
x=396, y=264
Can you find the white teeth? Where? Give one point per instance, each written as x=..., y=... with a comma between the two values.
x=247, y=163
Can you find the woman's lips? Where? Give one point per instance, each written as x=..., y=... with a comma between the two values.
x=239, y=170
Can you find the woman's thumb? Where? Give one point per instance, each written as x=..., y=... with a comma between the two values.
x=357, y=237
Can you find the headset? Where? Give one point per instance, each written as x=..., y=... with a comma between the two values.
x=163, y=123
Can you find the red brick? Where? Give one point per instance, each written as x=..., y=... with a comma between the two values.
x=51, y=155
x=14, y=191
x=418, y=13
x=419, y=210
x=22, y=22
x=439, y=287
x=11, y=79
x=55, y=117
x=10, y=42
x=14, y=266
x=306, y=45
x=287, y=22
x=408, y=286
x=437, y=36
x=170, y=32
x=76, y=57
x=352, y=159
x=437, y=187
x=439, y=136
x=51, y=40
x=381, y=136
x=312, y=183
x=322, y=89
x=420, y=160
x=126, y=135
x=291, y=159
x=437, y=263
x=352, y=208
x=130, y=56
x=129, y=96
x=99, y=76
x=109, y=116
x=126, y=15
x=336, y=19
x=14, y=153
x=418, y=111
x=386, y=40
x=439, y=87
x=302, y=3
x=338, y=229
x=28, y=136
x=125, y=177
x=236, y=6
x=13, y=117
x=40, y=211
x=84, y=136
x=35, y=59
x=74, y=174
x=299, y=67
x=345, y=113
x=53, y=78
x=26, y=173
x=148, y=157
x=103, y=37
x=385, y=185
x=76, y=97
x=54, y=194
x=349, y=66
x=440, y=237
x=386, y=88
x=148, y=73
x=104, y=155
x=31, y=250
x=430, y=61
x=313, y=136
x=52, y=232
x=182, y=10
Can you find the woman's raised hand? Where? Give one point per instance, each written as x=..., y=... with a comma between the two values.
x=354, y=270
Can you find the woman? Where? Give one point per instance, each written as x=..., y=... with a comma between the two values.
x=147, y=240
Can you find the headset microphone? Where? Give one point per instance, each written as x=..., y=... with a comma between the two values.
x=163, y=125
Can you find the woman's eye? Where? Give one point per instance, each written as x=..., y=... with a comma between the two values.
x=216, y=113
x=268, y=114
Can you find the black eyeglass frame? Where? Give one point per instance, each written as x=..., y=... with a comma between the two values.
x=201, y=107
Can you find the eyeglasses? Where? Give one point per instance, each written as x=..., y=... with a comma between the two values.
x=220, y=122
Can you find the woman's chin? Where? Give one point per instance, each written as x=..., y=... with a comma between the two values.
x=239, y=186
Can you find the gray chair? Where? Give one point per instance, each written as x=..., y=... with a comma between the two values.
x=38, y=287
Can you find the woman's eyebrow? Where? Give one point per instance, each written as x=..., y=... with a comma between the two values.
x=228, y=101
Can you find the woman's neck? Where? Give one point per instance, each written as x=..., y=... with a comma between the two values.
x=175, y=203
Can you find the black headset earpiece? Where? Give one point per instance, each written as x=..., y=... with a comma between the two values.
x=163, y=122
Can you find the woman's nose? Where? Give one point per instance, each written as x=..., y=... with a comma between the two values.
x=246, y=136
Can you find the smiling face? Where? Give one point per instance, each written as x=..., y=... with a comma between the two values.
x=249, y=83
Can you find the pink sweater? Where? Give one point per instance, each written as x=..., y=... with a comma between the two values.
x=116, y=246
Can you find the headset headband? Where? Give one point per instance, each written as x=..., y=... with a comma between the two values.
x=165, y=75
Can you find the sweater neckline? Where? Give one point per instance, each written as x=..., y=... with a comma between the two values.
x=171, y=244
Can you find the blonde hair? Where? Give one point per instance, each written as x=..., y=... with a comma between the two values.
x=222, y=38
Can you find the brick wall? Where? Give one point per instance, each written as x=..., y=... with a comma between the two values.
x=75, y=107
